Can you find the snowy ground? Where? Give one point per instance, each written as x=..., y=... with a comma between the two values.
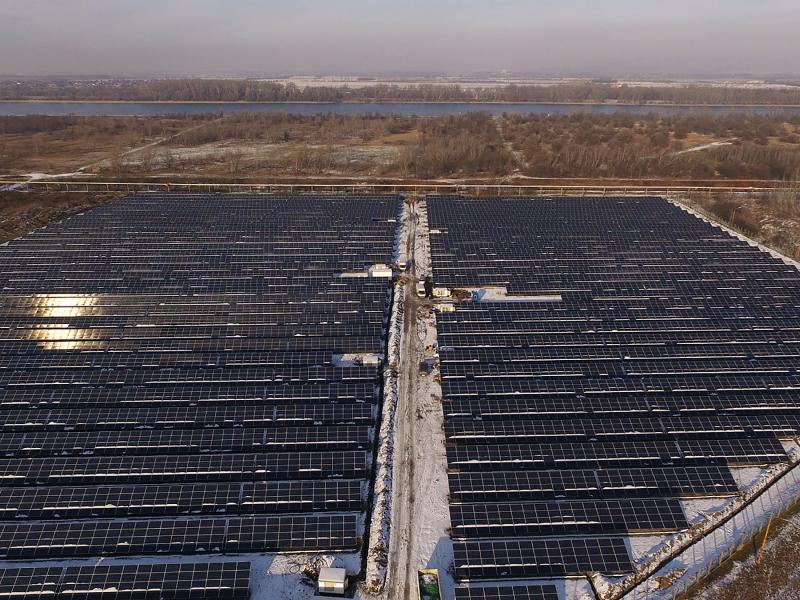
x=431, y=524
x=708, y=146
x=381, y=525
x=422, y=243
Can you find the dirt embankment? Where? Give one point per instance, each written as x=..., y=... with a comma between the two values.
x=21, y=213
x=774, y=577
x=772, y=219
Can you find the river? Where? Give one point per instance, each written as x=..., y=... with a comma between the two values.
x=389, y=108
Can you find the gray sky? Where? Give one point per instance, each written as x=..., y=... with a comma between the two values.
x=613, y=37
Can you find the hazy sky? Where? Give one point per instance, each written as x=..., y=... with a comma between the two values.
x=613, y=37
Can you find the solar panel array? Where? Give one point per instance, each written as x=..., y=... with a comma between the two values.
x=670, y=358
x=164, y=581
x=516, y=592
x=167, y=386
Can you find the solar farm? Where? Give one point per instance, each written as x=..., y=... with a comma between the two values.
x=193, y=395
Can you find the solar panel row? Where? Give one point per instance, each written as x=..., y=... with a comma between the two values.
x=186, y=468
x=570, y=517
x=637, y=403
x=516, y=592
x=523, y=558
x=165, y=581
x=599, y=427
x=496, y=486
x=185, y=417
x=190, y=395
x=143, y=500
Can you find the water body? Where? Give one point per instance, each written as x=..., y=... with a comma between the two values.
x=91, y=109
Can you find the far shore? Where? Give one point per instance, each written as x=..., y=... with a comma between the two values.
x=408, y=102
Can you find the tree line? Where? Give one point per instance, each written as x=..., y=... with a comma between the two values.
x=254, y=90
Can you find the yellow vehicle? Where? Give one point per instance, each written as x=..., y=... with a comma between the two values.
x=428, y=582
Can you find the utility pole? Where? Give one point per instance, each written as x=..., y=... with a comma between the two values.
x=764, y=542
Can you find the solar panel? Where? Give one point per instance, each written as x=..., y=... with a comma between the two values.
x=569, y=517
x=668, y=481
x=498, y=486
x=303, y=496
x=597, y=427
x=187, y=468
x=30, y=583
x=292, y=534
x=521, y=558
x=532, y=456
x=190, y=395
x=55, y=502
x=185, y=417
x=110, y=538
x=118, y=501
x=515, y=592
x=213, y=580
x=184, y=536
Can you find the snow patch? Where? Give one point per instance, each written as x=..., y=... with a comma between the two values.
x=381, y=520
x=380, y=526
x=499, y=293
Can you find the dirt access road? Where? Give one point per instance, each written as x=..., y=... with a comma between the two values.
x=420, y=519
x=399, y=582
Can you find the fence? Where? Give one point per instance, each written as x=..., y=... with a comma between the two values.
x=715, y=548
x=372, y=188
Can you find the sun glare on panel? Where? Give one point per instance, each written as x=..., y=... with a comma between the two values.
x=55, y=305
x=61, y=336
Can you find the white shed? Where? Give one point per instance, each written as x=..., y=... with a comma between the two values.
x=332, y=581
x=380, y=270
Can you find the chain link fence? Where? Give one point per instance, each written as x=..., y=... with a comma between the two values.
x=685, y=572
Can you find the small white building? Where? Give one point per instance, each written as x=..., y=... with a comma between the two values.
x=332, y=581
x=384, y=271
x=370, y=360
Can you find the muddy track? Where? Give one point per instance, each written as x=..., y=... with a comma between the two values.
x=401, y=576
